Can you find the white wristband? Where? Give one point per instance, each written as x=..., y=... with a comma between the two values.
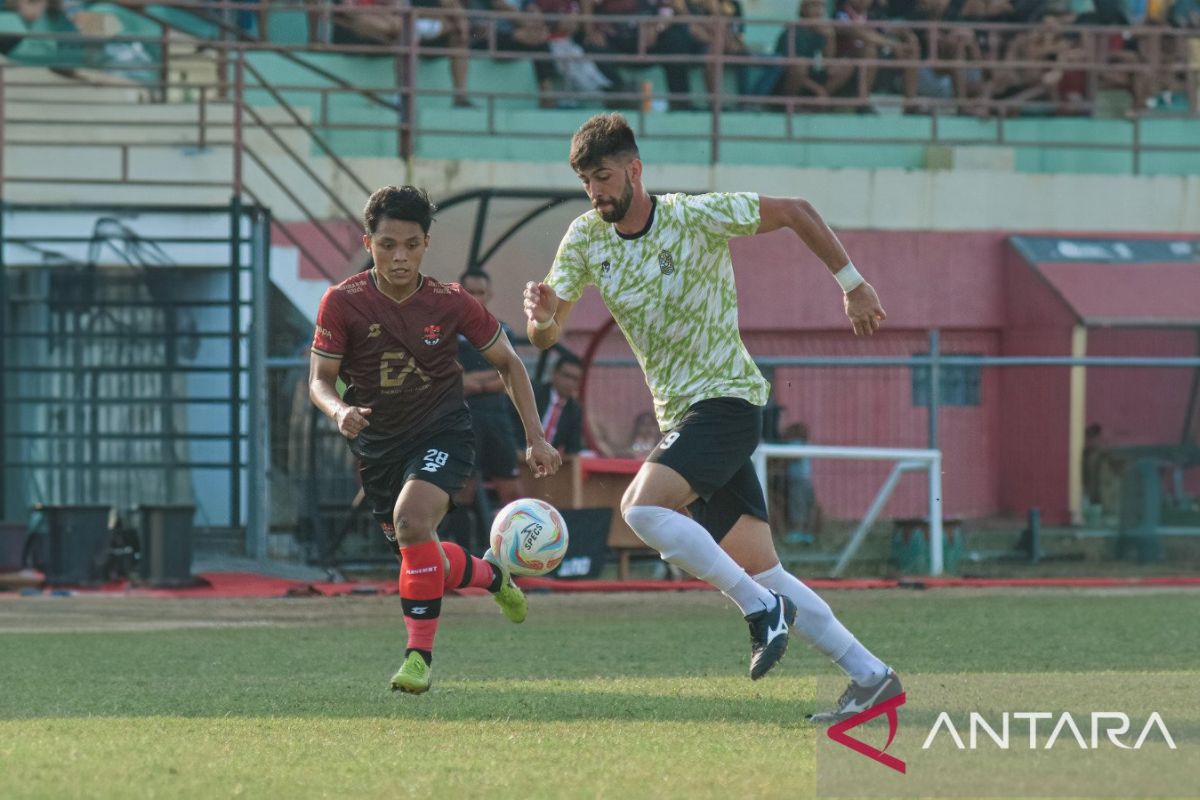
x=541, y=326
x=849, y=278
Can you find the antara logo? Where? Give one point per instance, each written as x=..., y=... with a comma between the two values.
x=1113, y=723
x=838, y=733
x=433, y=334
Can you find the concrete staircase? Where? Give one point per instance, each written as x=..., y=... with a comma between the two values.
x=93, y=139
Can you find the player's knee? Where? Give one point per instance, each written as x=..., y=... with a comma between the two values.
x=412, y=530
x=647, y=523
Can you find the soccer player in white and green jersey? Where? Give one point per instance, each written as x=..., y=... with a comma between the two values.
x=662, y=265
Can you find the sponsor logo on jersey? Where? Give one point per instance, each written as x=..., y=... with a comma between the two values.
x=376, y=330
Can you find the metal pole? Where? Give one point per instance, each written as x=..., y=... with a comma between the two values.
x=935, y=521
x=235, y=361
x=935, y=386
x=3, y=132
x=4, y=483
x=235, y=306
x=258, y=454
x=477, y=232
x=864, y=525
x=239, y=91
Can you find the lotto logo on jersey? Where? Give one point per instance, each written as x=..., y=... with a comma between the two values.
x=433, y=334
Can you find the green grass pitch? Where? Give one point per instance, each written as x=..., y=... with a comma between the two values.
x=623, y=696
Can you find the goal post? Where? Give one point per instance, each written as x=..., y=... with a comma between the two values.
x=905, y=460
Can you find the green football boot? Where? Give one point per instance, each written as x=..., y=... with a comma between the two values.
x=414, y=675
x=509, y=597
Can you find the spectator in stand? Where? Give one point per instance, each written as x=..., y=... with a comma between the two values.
x=699, y=37
x=33, y=16
x=579, y=74
x=815, y=43
x=1184, y=14
x=1118, y=48
x=953, y=44
x=624, y=37
x=526, y=33
x=382, y=25
x=1052, y=52
x=864, y=41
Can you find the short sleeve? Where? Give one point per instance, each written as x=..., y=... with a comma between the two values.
x=477, y=325
x=329, y=340
x=728, y=214
x=569, y=275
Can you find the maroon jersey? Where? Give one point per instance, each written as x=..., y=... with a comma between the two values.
x=401, y=359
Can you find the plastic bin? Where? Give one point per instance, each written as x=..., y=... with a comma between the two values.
x=166, y=537
x=75, y=543
x=910, y=545
x=12, y=545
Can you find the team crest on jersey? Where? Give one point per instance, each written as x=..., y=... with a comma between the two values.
x=433, y=334
x=375, y=330
x=605, y=267
x=666, y=264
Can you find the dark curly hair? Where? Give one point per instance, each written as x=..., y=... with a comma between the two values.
x=398, y=202
x=603, y=136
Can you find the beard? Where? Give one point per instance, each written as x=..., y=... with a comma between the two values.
x=620, y=205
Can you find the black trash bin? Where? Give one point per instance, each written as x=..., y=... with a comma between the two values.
x=12, y=545
x=75, y=544
x=166, y=534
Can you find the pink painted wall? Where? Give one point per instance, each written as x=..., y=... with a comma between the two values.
x=1035, y=401
x=1007, y=455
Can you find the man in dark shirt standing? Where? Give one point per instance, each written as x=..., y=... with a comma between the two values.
x=391, y=335
x=491, y=410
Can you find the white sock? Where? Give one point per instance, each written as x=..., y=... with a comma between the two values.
x=862, y=666
x=686, y=544
x=821, y=629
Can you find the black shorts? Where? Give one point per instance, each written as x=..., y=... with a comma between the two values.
x=496, y=454
x=711, y=448
x=445, y=459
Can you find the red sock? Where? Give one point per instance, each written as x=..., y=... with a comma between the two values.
x=458, y=559
x=467, y=570
x=421, y=589
x=483, y=576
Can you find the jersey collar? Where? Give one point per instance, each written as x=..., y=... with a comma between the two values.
x=646, y=228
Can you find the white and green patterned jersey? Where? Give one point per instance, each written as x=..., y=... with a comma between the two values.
x=671, y=291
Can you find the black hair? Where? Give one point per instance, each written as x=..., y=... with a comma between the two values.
x=398, y=202
x=567, y=358
x=474, y=273
x=603, y=136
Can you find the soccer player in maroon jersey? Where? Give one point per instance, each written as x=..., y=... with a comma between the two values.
x=391, y=334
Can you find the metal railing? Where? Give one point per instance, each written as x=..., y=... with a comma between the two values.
x=1168, y=66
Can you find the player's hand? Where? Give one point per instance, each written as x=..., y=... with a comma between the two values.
x=863, y=310
x=542, y=458
x=540, y=302
x=351, y=420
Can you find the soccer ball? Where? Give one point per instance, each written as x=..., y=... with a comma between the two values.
x=529, y=537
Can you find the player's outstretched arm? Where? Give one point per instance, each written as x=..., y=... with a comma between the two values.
x=541, y=457
x=547, y=314
x=322, y=390
x=861, y=302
